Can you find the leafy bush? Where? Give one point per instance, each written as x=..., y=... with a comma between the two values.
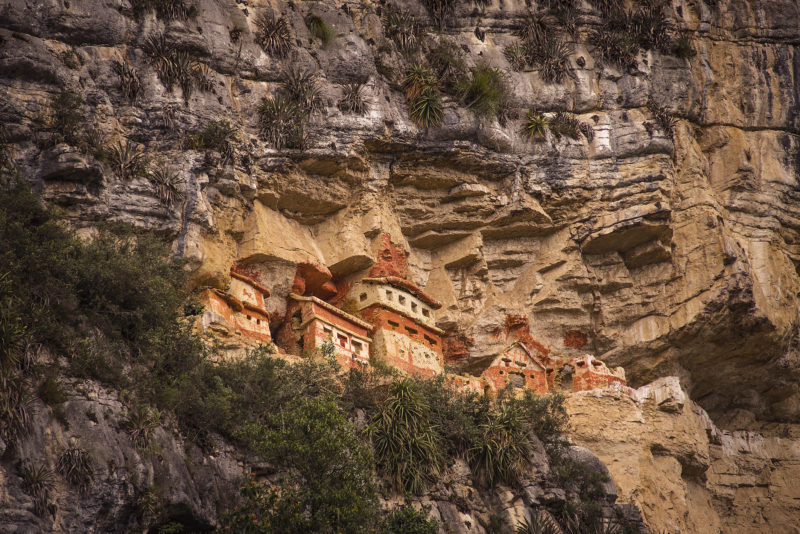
x=352, y=101
x=616, y=47
x=273, y=34
x=501, y=453
x=216, y=135
x=129, y=82
x=407, y=448
x=535, y=124
x=446, y=60
x=441, y=11
x=64, y=117
x=485, y=93
x=75, y=465
x=320, y=29
x=552, y=58
x=402, y=28
x=327, y=460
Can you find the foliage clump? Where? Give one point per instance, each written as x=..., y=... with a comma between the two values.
x=273, y=34
x=485, y=93
x=320, y=29
x=164, y=9
x=402, y=28
x=129, y=82
x=176, y=66
x=283, y=117
x=352, y=101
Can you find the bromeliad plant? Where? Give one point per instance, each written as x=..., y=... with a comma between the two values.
x=320, y=29
x=273, y=34
x=426, y=109
x=485, y=93
x=535, y=124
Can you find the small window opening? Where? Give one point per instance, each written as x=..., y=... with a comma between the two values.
x=363, y=297
x=401, y=299
x=249, y=318
x=413, y=306
x=389, y=294
x=357, y=347
x=411, y=331
x=426, y=312
x=258, y=321
x=430, y=340
x=393, y=324
x=342, y=340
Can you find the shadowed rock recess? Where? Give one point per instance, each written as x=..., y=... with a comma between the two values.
x=661, y=235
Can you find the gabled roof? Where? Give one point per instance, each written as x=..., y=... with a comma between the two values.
x=250, y=281
x=477, y=366
x=411, y=287
x=334, y=310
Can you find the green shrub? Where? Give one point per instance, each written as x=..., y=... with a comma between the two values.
x=535, y=124
x=501, y=453
x=51, y=392
x=408, y=520
x=64, y=117
x=426, y=109
x=320, y=29
x=446, y=60
x=159, y=52
x=441, y=11
x=352, y=100
x=485, y=93
x=323, y=455
x=216, y=135
x=273, y=34
x=551, y=56
x=407, y=448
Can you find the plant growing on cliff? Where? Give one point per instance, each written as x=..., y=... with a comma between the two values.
x=501, y=453
x=320, y=29
x=426, y=109
x=682, y=48
x=37, y=481
x=406, y=447
x=127, y=159
x=165, y=9
x=540, y=523
x=159, y=51
x=273, y=34
x=664, y=119
x=64, y=118
x=167, y=184
x=535, y=124
x=418, y=79
x=446, y=60
x=552, y=58
x=352, y=101
x=141, y=423
x=485, y=92
x=402, y=28
x=563, y=123
x=441, y=11
x=280, y=122
x=75, y=465
x=408, y=520
x=129, y=82
x=301, y=87
x=516, y=55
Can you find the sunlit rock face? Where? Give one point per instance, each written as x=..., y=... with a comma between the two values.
x=662, y=253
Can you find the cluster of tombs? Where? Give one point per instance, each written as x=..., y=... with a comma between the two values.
x=385, y=316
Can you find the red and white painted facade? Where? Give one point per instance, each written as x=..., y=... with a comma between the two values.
x=591, y=373
x=405, y=335
x=241, y=308
x=311, y=322
x=517, y=366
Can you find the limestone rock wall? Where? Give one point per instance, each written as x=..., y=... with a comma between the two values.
x=685, y=474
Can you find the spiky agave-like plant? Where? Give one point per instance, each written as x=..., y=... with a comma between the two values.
x=485, y=93
x=352, y=100
x=126, y=159
x=418, y=79
x=301, y=87
x=75, y=465
x=402, y=28
x=129, y=82
x=516, y=55
x=167, y=184
x=320, y=29
x=535, y=124
x=426, y=109
x=273, y=34
x=280, y=122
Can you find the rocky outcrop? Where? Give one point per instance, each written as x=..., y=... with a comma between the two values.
x=685, y=474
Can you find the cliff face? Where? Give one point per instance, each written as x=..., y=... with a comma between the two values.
x=665, y=254
x=684, y=473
